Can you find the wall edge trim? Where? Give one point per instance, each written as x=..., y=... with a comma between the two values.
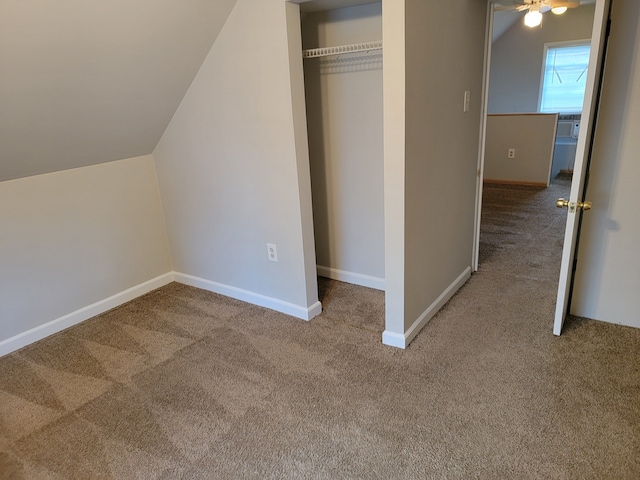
x=57, y=325
x=352, y=277
x=398, y=340
x=298, y=311
x=499, y=181
x=394, y=339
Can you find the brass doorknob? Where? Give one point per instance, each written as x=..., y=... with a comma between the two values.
x=562, y=203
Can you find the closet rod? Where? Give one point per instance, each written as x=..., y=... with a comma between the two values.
x=342, y=49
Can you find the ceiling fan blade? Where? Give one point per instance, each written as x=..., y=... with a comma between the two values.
x=499, y=7
x=561, y=3
x=544, y=5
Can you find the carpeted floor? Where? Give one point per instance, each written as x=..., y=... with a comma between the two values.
x=186, y=384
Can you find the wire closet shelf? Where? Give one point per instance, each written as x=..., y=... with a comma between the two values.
x=342, y=49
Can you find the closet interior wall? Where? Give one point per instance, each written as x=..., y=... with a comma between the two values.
x=345, y=130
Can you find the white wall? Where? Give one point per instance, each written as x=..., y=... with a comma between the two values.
x=607, y=279
x=73, y=238
x=440, y=158
x=516, y=58
x=532, y=136
x=344, y=114
x=232, y=170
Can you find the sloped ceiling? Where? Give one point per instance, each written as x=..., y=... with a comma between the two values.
x=85, y=82
x=503, y=20
x=318, y=5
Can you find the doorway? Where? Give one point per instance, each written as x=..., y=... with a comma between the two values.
x=521, y=95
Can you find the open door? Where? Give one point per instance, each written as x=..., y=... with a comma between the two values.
x=576, y=203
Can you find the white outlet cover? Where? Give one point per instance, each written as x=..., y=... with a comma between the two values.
x=272, y=252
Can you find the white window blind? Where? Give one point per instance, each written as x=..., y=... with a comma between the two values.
x=564, y=78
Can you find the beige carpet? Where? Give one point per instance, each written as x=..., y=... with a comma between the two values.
x=185, y=384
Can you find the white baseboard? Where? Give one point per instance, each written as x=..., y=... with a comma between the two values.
x=350, y=277
x=304, y=313
x=402, y=341
x=38, y=333
x=394, y=339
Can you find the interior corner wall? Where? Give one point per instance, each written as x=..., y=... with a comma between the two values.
x=228, y=168
x=345, y=118
x=444, y=58
x=607, y=281
x=516, y=58
x=73, y=238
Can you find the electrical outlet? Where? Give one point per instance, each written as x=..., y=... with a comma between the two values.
x=576, y=130
x=272, y=252
x=512, y=153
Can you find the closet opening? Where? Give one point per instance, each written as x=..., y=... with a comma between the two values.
x=342, y=51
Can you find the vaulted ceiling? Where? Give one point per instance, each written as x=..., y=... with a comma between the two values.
x=85, y=82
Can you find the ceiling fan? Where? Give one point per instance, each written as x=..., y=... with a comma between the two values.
x=535, y=9
x=546, y=5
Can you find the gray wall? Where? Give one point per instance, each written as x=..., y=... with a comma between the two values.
x=74, y=238
x=232, y=165
x=517, y=56
x=91, y=82
x=233, y=172
x=441, y=148
x=532, y=136
x=344, y=115
x=607, y=279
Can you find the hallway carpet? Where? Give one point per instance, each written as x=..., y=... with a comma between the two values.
x=186, y=384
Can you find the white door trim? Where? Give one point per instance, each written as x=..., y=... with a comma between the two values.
x=484, y=109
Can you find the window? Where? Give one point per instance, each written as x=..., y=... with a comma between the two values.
x=564, y=77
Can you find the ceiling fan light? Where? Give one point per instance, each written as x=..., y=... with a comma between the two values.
x=559, y=10
x=533, y=18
